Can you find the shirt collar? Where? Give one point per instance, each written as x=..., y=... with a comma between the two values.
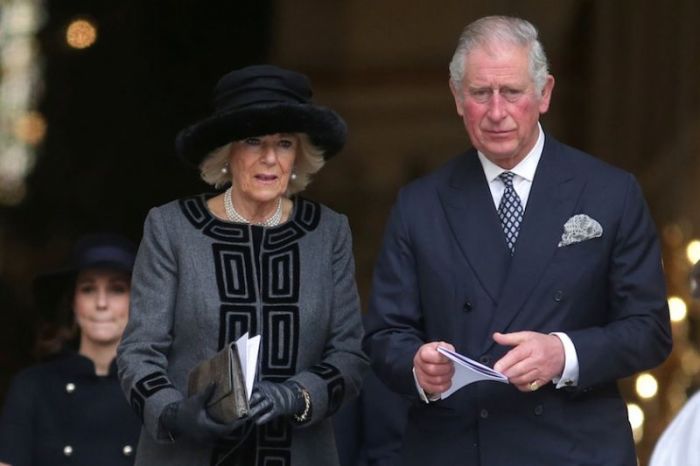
x=525, y=169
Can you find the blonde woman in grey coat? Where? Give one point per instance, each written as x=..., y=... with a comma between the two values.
x=258, y=259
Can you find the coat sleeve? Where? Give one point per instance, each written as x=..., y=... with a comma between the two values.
x=142, y=354
x=338, y=377
x=17, y=422
x=637, y=335
x=394, y=323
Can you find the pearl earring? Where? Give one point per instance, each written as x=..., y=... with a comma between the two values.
x=294, y=176
x=224, y=170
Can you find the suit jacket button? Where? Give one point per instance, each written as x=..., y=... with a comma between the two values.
x=70, y=387
x=539, y=409
x=127, y=450
x=484, y=413
x=484, y=359
x=67, y=450
x=558, y=295
x=467, y=306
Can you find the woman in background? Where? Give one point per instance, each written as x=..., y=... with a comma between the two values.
x=69, y=409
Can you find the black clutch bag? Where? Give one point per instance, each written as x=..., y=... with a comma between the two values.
x=229, y=400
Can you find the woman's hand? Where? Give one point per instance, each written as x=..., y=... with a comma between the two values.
x=189, y=418
x=271, y=400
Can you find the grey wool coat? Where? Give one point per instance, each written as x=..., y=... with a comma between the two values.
x=200, y=282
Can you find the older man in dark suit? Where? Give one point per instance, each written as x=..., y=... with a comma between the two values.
x=525, y=254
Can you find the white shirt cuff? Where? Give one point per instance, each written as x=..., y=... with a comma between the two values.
x=569, y=377
x=421, y=393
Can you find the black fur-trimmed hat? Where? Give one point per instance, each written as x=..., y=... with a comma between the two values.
x=259, y=100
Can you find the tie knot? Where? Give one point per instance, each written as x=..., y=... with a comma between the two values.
x=507, y=178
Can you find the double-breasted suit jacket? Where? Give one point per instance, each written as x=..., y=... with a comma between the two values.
x=445, y=273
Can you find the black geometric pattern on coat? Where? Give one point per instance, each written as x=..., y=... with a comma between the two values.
x=280, y=275
x=265, y=445
x=307, y=215
x=257, y=274
x=195, y=211
x=235, y=320
x=280, y=327
x=335, y=384
x=230, y=233
x=234, y=273
x=145, y=388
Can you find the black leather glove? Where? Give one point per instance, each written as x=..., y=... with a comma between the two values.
x=189, y=418
x=271, y=400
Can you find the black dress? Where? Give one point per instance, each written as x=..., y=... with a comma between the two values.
x=62, y=413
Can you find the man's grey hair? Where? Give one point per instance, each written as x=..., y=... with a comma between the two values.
x=500, y=29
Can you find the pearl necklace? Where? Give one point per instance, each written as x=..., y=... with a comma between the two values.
x=234, y=216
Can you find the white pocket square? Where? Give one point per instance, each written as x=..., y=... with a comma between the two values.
x=580, y=228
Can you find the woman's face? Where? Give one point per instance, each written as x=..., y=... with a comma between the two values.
x=101, y=305
x=261, y=166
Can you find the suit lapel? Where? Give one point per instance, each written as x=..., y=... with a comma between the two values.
x=552, y=200
x=473, y=219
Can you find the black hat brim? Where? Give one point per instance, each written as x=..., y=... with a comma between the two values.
x=326, y=128
x=50, y=288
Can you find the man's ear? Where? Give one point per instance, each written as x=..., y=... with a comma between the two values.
x=458, y=97
x=546, y=95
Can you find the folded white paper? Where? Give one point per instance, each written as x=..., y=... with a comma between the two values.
x=248, y=353
x=468, y=371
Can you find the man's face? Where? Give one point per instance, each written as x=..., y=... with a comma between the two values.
x=499, y=104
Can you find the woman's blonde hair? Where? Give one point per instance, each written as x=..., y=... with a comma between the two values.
x=309, y=160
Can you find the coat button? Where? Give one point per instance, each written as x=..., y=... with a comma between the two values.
x=467, y=306
x=70, y=387
x=539, y=409
x=484, y=359
x=127, y=450
x=67, y=450
x=558, y=295
x=484, y=413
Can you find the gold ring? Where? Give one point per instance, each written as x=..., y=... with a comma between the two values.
x=534, y=386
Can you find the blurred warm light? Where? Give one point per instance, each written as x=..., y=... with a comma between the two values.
x=81, y=34
x=676, y=394
x=31, y=128
x=646, y=386
x=673, y=235
x=18, y=54
x=690, y=362
x=20, y=88
x=693, y=251
x=677, y=308
x=636, y=418
x=22, y=17
x=15, y=163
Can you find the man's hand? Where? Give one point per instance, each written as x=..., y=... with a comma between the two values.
x=535, y=359
x=433, y=370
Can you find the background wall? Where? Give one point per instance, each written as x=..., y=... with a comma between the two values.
x=627, y=91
